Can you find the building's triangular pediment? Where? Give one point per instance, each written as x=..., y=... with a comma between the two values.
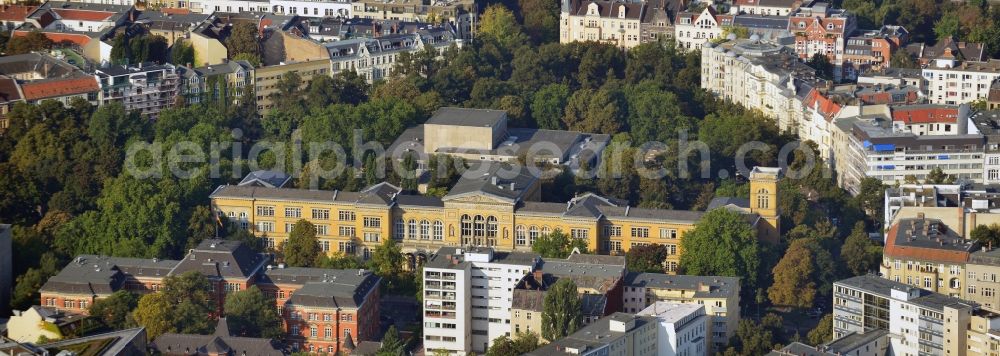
x=476, y=197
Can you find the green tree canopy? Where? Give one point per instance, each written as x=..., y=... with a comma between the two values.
x=387, y=259
x=823, y=332
x=722, y=244
x=392, y=345
x=647, y=258
x=561, y=313
x=499, y=23
x=250, y=313
x=860, y=254
x=115, y=311
x=793, y=285
x=986, y=235
x=557, y=245
x=301, y=248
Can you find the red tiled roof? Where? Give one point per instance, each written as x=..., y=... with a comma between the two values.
x=822, y=104
x=924, y=115
x=57, y=37
x=921, y=253
x=57, y=88
x=15, y=12
x=82, y=15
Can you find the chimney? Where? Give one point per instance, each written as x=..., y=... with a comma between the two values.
x=538, y=276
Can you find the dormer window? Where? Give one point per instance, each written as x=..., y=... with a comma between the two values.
x=829, y=26
x=621, y=11
x=592, y=9
x=802, y=25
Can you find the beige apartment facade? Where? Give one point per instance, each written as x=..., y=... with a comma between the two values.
x=266, y=79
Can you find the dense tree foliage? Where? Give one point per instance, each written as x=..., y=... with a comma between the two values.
x=250, y=313
x=392, y=345
x=860, y=254
x=242, y=42
x=184, y=305
x=31, y=42
x=522, y=343
x=722, y=244
x=986, y=235
x=557, y=245
x=823, y=332
x=561, y=311
x=301, y=248
x=115, y=311
x=648, y=258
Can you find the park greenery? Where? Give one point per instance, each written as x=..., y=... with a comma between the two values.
x=66, y=190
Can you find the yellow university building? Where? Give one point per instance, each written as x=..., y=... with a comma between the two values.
x=495, y=203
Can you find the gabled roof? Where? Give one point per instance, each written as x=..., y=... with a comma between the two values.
x=822, y=105
x=346, y=289
x=86, y=275
x=262, y=178
x=221, y=259
x=16, y=13
x=609, y=8
x=948, y=48
x=503, y=181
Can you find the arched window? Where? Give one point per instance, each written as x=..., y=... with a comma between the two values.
x=411, y=231
x=466, y=226
x=520, y=235
x=491, y=226
x=546, y=230
x=425, y=229
x=438, y=230
x=533, y=235
x=763, y=199
x=480, y=226
x=398, y=230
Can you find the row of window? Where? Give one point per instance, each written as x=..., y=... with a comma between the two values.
x=424, y=230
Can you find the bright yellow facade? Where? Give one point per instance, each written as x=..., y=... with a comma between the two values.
x=502, y=214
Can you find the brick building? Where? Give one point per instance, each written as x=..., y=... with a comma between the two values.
x=313, y=302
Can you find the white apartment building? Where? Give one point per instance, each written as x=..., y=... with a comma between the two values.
x=374, y=58
x=767, y=7
x=210, y=6
x=614, y=22
x=953, y=82
x=919, y=322
x=326, y=8
x=761, y=76
x=681, y=328
x=720, y=296
x=145, y=88
x=694, y=29
x=618, y=334
x=468, y=295
x=914, y=140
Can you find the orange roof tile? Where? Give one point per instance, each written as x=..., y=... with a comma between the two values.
x=925, y=115
x=83, y=15
x=15, y=12
x=58, y=37
x=59, y=87
x=822, y=104
x=175, y=11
